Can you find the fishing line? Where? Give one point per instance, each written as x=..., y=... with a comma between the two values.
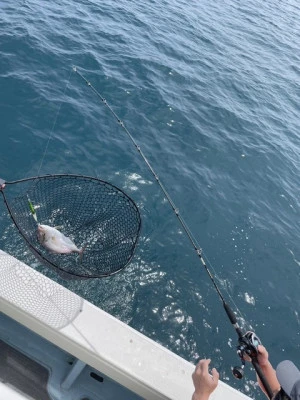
x=54, y=125
x=31, y=207
x=247, y=342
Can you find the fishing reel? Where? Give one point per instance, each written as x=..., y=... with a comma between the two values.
x=247, y=346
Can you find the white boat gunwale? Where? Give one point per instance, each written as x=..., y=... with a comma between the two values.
x=109, y=345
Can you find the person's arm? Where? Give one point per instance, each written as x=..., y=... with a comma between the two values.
x=267, y=369
x=204, y=383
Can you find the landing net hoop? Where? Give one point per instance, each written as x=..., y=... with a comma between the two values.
x=95, y=214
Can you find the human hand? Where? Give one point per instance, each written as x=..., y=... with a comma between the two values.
x=267, y=370
x=204, y=383
x=262, y=356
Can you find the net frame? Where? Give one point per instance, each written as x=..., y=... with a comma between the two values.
x=120, y=199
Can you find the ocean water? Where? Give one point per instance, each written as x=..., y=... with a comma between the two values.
x=210, y=91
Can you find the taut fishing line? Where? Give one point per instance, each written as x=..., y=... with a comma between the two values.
x=54, y=125
x=247, y=342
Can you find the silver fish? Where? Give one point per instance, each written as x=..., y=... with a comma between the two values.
x=55, y=241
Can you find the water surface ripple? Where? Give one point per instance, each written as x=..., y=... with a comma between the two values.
x=210, y=91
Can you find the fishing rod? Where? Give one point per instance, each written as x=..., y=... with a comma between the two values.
x=247, y=342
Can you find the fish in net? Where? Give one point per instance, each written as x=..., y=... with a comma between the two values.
x=101, y=221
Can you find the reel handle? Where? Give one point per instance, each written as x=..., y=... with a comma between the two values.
x=238, y=372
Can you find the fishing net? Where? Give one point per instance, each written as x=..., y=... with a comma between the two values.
x=97, y=216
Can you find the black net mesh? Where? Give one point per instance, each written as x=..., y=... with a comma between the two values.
x=94, y=214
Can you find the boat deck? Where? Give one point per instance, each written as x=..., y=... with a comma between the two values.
x=76, y=343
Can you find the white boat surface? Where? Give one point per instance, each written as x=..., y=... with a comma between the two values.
x=84, y=352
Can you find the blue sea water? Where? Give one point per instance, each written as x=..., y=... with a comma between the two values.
x=210, y=91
